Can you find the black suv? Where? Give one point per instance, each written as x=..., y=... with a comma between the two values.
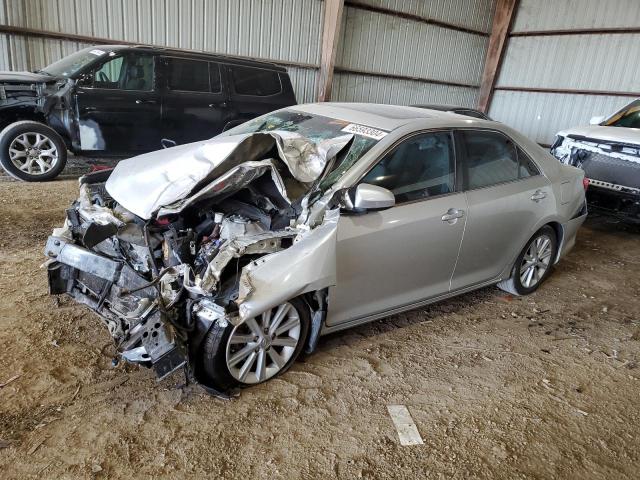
x=116, y=100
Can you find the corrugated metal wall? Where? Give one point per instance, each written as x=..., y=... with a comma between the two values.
x=278, y=30
x=390, y=59
x=402, y=53
x=603, y=62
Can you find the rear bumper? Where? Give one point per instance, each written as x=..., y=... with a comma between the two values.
x=142, y=332
x=570, y=230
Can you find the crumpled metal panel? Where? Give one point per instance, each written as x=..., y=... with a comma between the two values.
x=148, y=182
x=308, y=265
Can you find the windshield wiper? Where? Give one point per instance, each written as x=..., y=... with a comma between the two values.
x=42, y=71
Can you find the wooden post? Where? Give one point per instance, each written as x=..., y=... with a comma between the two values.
x=330, y=33
x=502, y=19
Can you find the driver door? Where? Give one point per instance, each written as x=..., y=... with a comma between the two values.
x=400, y=256
x=119, y=107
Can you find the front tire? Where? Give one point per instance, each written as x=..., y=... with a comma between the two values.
x=534, y=263
x=32, y=151
x=258, y=349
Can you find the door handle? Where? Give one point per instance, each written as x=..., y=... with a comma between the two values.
x=538, y=195
x=219, y=105
x=452, y=215
x=139, y=102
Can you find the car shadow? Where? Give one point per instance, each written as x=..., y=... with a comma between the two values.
x=420, y=315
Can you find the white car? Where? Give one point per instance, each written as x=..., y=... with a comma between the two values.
x=608, y=150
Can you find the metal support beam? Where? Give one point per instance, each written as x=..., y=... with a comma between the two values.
x=502, y=19
x=416, y=18
x=330, y=33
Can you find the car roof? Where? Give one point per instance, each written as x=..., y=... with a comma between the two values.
x=194, y=54
x=445, y=108
x=377, y=115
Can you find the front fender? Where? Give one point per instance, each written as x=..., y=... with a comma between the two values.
x=308, y=265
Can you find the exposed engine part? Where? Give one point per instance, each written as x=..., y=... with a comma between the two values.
x=159, y=283
x=237, y=226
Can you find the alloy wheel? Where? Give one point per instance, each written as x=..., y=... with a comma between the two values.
x=33, y=153
x=536, y=260
x=260, y=347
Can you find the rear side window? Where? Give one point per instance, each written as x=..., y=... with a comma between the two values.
x=420, y=167
x=188, y=75
x=255, y=81
x=491, y=158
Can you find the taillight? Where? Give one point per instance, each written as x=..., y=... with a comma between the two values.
x=585, y=183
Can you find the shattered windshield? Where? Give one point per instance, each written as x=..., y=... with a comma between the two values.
x=315, y=128
x=69, y=65
x=628, y=117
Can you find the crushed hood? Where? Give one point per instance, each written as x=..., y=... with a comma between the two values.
x=604, y=133
x=148, y=182
x=25, y=77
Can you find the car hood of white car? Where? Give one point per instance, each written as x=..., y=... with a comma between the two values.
x=608, y=134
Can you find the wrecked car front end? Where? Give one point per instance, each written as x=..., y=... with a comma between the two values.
x=173, y=242
x=613, y=170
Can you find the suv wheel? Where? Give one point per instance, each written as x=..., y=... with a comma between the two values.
x=32, y=151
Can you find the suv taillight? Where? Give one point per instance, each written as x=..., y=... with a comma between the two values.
x=585, y=183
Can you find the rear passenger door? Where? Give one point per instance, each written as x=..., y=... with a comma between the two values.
x=256, y=91
x=194, y=103
x=506, y=197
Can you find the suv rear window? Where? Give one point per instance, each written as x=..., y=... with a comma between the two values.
x=255, y=81
x=187, y=75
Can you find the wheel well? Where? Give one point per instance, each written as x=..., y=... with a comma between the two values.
x=557, y=228
x=19, y=115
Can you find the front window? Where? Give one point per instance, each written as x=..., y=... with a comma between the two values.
x=315, y=128
x=420, y=167
x=129, y=72
x=71, y=64
x=628, y=117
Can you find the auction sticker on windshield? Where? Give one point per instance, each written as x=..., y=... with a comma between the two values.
x=97, y=52
x=365, y=131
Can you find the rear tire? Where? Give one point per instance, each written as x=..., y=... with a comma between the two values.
x=247, y=354
x=533, y=265
x=32, y=151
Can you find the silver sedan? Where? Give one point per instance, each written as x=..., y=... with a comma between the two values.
x=233, y=255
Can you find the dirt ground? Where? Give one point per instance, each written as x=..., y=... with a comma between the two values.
x=545, y=386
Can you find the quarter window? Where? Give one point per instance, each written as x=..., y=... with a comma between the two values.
x=187, y=75
x=422, y=166
x=255, y=81
x=527, y=167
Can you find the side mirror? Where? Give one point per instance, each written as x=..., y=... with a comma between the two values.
x=596, y=120
x=372, y=197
